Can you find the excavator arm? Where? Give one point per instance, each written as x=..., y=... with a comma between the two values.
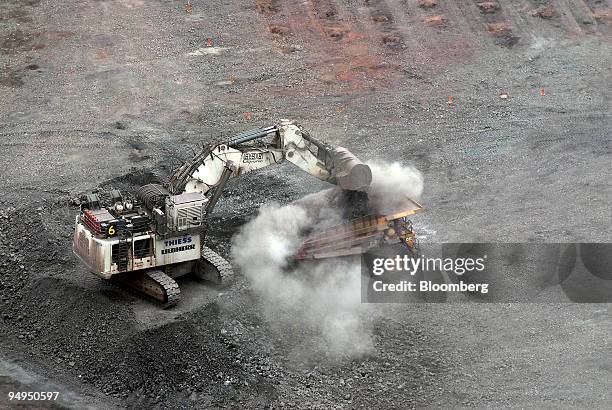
x=219, y=161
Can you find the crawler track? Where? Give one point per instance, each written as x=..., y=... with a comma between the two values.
x=154, y=284
x=210, y=262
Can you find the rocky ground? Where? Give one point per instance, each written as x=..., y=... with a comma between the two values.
x=504, y=107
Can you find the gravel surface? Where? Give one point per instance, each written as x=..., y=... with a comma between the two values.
x=504, y=107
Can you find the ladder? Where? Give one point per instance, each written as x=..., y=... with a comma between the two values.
x=122, y=255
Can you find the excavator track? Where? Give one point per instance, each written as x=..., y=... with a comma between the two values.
x=213, y=267
x=155, y=284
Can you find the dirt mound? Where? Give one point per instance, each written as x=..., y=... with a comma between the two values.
x=436, y=21
x=488, y=7
x=73, y=325
x=129, y=182
x=546, y=12
x=179, y=359
x=26, y=245
x=428, y=4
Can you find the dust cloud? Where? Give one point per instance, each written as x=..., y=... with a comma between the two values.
x=392, y=184
x=320, y=300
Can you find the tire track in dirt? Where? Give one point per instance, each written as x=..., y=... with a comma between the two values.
x=122, y=85
x=22, y=43
x=497, y=23
x=375, y=43
x=338, y=43
x=375, y=28
x=599, y=5
x=571, y=17
x=464, y=27
x=584, y=15
x=471, y=22
x=600, y=10
x=420, y=21
x=565, y=13
x=384, y=23
x=522, y=24
x=402, y=21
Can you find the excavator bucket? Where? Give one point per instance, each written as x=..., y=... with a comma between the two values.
x=361, y=234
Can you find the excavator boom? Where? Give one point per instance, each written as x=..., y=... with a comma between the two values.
x=269, y=146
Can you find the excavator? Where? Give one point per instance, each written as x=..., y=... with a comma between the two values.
x=147, y=239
